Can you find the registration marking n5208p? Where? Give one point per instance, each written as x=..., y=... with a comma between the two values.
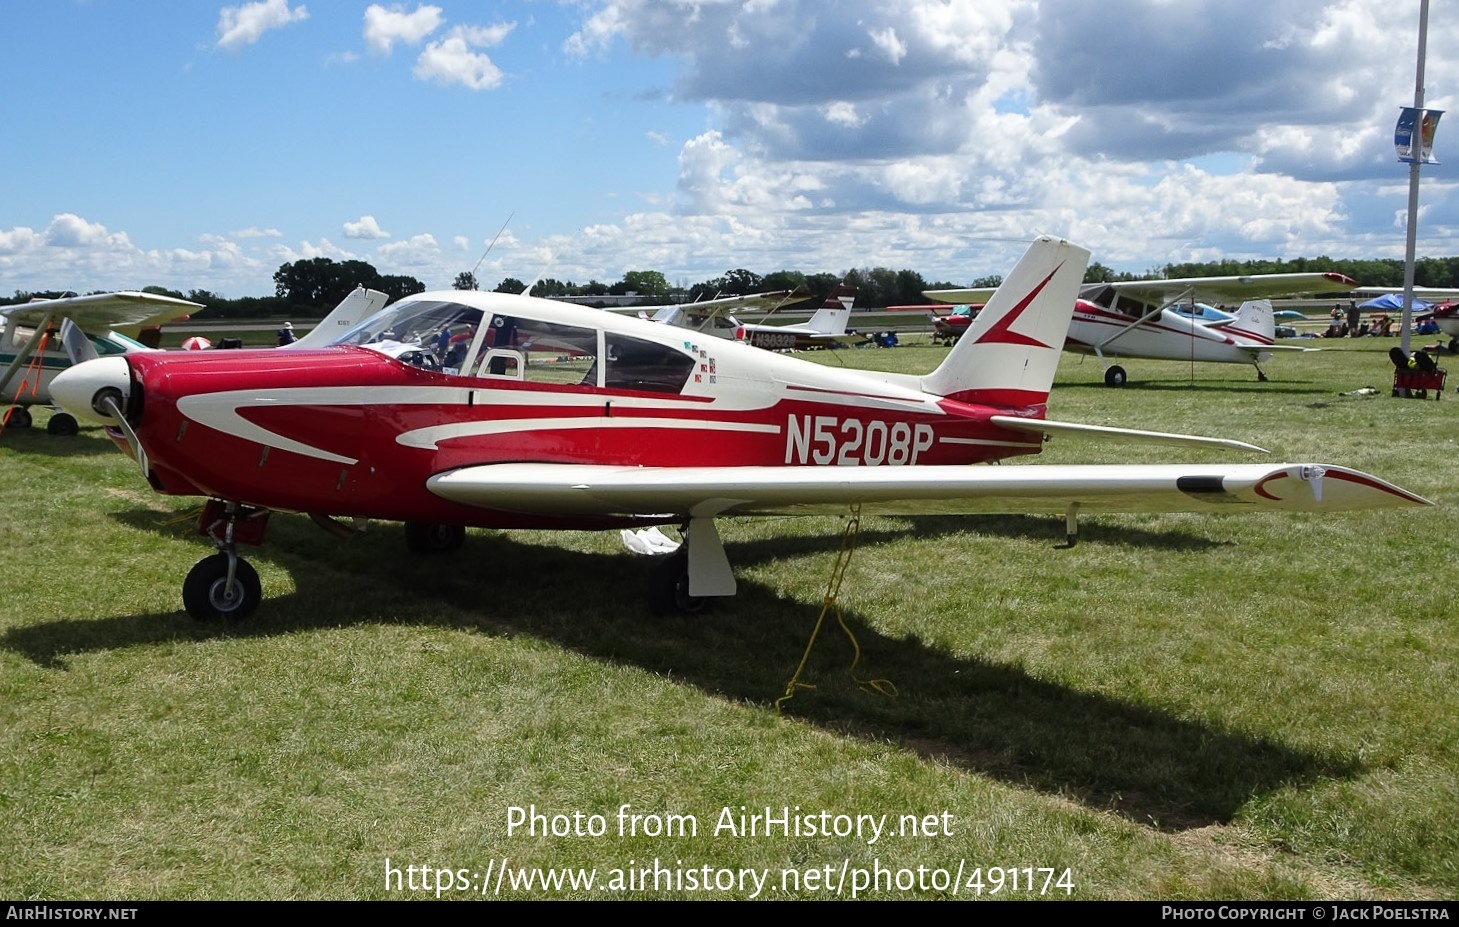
x=827, y=439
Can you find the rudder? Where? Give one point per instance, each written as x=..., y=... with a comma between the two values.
x=1010, y=354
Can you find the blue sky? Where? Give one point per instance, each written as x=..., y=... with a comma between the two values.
x=200, y=145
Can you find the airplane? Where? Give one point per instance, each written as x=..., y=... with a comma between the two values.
x=26, y=330
x=712, y=316
x=826, y=328
x=1139, y=318
x=568, y=417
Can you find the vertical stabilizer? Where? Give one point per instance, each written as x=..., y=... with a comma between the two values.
x=835, y=313
x=356, y=307
x=1009, y=355
x=1254, y=320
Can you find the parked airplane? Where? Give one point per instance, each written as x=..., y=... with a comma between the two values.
x=1139, y=318
x=27, y=329
x=824, y=329
x=713, y=316
x=568, y=417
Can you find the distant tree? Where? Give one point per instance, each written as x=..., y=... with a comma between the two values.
x=784, y=280
x=465, y=280
x=646, y=282
x=320, y=283
x=510, y=285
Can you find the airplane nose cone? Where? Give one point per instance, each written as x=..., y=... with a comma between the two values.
x=83, y=389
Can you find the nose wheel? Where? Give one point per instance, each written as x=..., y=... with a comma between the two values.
x=223, y=587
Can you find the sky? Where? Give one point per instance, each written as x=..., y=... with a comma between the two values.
x=201, y=145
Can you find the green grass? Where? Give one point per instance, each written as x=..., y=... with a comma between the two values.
x=1233, y=707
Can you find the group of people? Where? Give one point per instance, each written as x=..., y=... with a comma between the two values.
x=1346, y=325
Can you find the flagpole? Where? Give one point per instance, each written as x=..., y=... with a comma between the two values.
x=1413, y=168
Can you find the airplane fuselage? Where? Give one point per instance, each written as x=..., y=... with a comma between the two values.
x=31, y=384
x=354, y=431
x=1168, y=336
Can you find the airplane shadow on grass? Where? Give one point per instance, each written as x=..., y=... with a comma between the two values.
x=990, y=718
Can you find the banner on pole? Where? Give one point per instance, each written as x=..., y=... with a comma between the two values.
x=1414, y=136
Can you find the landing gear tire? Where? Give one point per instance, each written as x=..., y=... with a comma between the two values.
x=1454, y=345
x=208, y=596
x=433, y=537
x=19, y=417
x=668, y=590
x=1115, y=376
x=63, y=424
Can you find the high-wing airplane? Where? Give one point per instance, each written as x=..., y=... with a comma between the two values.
x=714, y=316
x=827, y=327
x=1138, y=318
x=26, y=332
x=567, y=417
x=28, y=364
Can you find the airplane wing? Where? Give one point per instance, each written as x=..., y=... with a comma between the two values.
x=1232, y=289
x=680, y=493
x=1431, y=294
x=972, y=295
x=759, y=302
x=105, y=310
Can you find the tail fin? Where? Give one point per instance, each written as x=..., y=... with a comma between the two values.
x=1009, y=355
x=1254, y=320
x=356, y=307
x=835, y=312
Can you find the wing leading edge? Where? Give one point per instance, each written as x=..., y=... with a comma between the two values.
x=708, y=492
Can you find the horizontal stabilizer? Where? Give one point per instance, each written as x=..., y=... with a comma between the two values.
x=1074, y=429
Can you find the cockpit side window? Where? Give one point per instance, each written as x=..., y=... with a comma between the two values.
x=645, y=365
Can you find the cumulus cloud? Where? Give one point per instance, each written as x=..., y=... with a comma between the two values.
x=75, y=253
x=246, y=24
x=384, y=27
x=365, y=227
x=256, y=232
x=416, y=251
x=457, y=60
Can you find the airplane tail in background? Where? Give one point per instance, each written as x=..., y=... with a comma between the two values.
x=835, y=312
x=1009, y=355
x=1254, y=320
x=354, y=308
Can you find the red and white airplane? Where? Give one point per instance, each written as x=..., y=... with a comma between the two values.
x=567, y=417
x=1140, y=318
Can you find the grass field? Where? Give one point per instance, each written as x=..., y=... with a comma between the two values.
x=1180, y=707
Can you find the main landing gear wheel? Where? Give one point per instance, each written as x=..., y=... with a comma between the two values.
x=63, y=424
x=19, y=418
x=668, y=588
x=209, y=596
x=433, y=537
x=1115, y=376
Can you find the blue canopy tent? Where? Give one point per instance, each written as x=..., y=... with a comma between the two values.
x=1393, y=302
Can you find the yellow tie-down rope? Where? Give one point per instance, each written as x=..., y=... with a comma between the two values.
x=829, y=602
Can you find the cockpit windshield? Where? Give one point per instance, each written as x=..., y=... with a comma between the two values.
x=416, y=323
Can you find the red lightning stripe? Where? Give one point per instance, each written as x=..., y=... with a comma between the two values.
x=1000, y=333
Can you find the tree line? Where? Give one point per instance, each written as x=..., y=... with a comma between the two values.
x=310, y=288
